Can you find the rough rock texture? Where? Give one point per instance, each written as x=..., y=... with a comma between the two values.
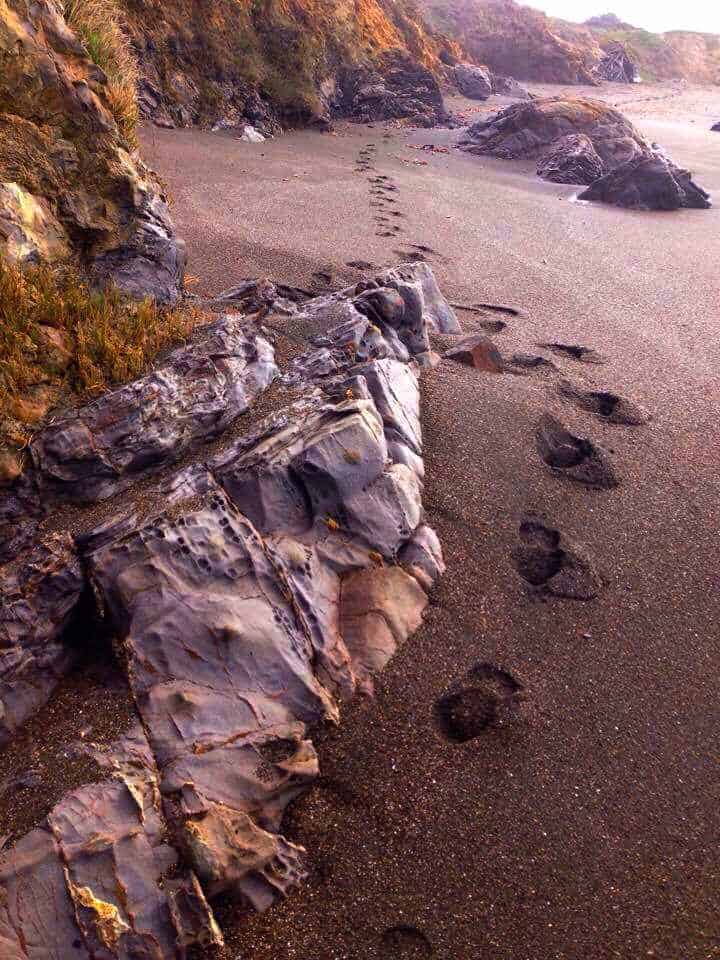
x=650, y=182
x=571, y=159
x=479, y=352
x=69, y=183
x=394, y=87
x=94, y=880
x=526, y=130
x=616, y=66
x=473, y=81
x=39, y=590
x=283, y=573
x=509, y=87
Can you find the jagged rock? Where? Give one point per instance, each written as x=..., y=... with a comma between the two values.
x=93, y=880
x=650, y=182
x=284, y=571
x=509, y=87
x=394, y=87
x=39, y=590
x=91, y=453
x=479, y=352
x=473, y=81
x=616, y=66
x=571, y=159
x=526, y=130
x=70, y=185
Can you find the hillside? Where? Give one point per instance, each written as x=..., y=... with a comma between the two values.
x=264, y=60
x=522, y=41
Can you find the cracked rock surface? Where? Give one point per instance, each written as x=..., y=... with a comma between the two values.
x=282, y=573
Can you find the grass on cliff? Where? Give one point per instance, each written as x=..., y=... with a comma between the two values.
x=61, y=341
x=98, y=23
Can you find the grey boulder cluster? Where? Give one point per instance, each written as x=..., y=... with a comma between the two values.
x=585, y=142
x=251, y=591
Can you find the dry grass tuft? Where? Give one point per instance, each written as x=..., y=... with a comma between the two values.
x=98, y=23
x=59, y=339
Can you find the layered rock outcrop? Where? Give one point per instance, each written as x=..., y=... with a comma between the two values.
x=70, y=185
x=616, y=66
x=251, y=592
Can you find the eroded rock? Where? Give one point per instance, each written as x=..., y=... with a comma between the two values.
x=649, y=182
x=571, y=159
x=39, y=590
x=473, y=81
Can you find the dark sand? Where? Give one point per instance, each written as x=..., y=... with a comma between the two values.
x=586, y=827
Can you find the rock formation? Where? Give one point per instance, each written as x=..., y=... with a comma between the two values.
x=509, y=87
x=474, y=82
x=394, y=87
x=587, y=143
x=649, y=182
x=251, y=591
x=527, y=130
x=571, y=159
x=70, y=185
x=616, y=66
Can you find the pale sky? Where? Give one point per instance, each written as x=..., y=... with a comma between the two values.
x=655, y=15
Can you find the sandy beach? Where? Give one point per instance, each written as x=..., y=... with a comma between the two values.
x=586, y=825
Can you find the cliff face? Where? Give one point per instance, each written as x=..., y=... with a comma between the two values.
x=71, y=187
x=519, y=40
x=263, y=60
x=516, y=40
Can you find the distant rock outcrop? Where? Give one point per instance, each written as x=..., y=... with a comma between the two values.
x=70, y=185
x=616, y=66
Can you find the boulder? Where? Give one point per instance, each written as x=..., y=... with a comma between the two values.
x=526, y=130
x=509, y=87
x=478, y=352
x=473, y=81
x=650, y=182
x=571, y=159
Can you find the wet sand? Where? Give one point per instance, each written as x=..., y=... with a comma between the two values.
x=586, y=826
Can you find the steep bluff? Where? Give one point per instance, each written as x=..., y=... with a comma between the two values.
x=516, y=39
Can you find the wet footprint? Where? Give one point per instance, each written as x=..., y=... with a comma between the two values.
x=522, y=364
x=493, y=326
x=361, y=265
x=575, y=352
x=608, y=406
x=574, y=457
x=550, y=565
x=321, y=276
x=404, y=943
x=485, y=698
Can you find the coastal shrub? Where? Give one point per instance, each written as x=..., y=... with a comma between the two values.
x=61, y=341
x=98, y=24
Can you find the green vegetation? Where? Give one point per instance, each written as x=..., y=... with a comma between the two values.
x=98, y=24
x=59, y=338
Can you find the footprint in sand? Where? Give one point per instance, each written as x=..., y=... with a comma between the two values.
x=574, y=457
x=485, y=698
x=493, y=326
x=574, y=352
x=404, y=942
x=552, y=566
x=607, y=406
